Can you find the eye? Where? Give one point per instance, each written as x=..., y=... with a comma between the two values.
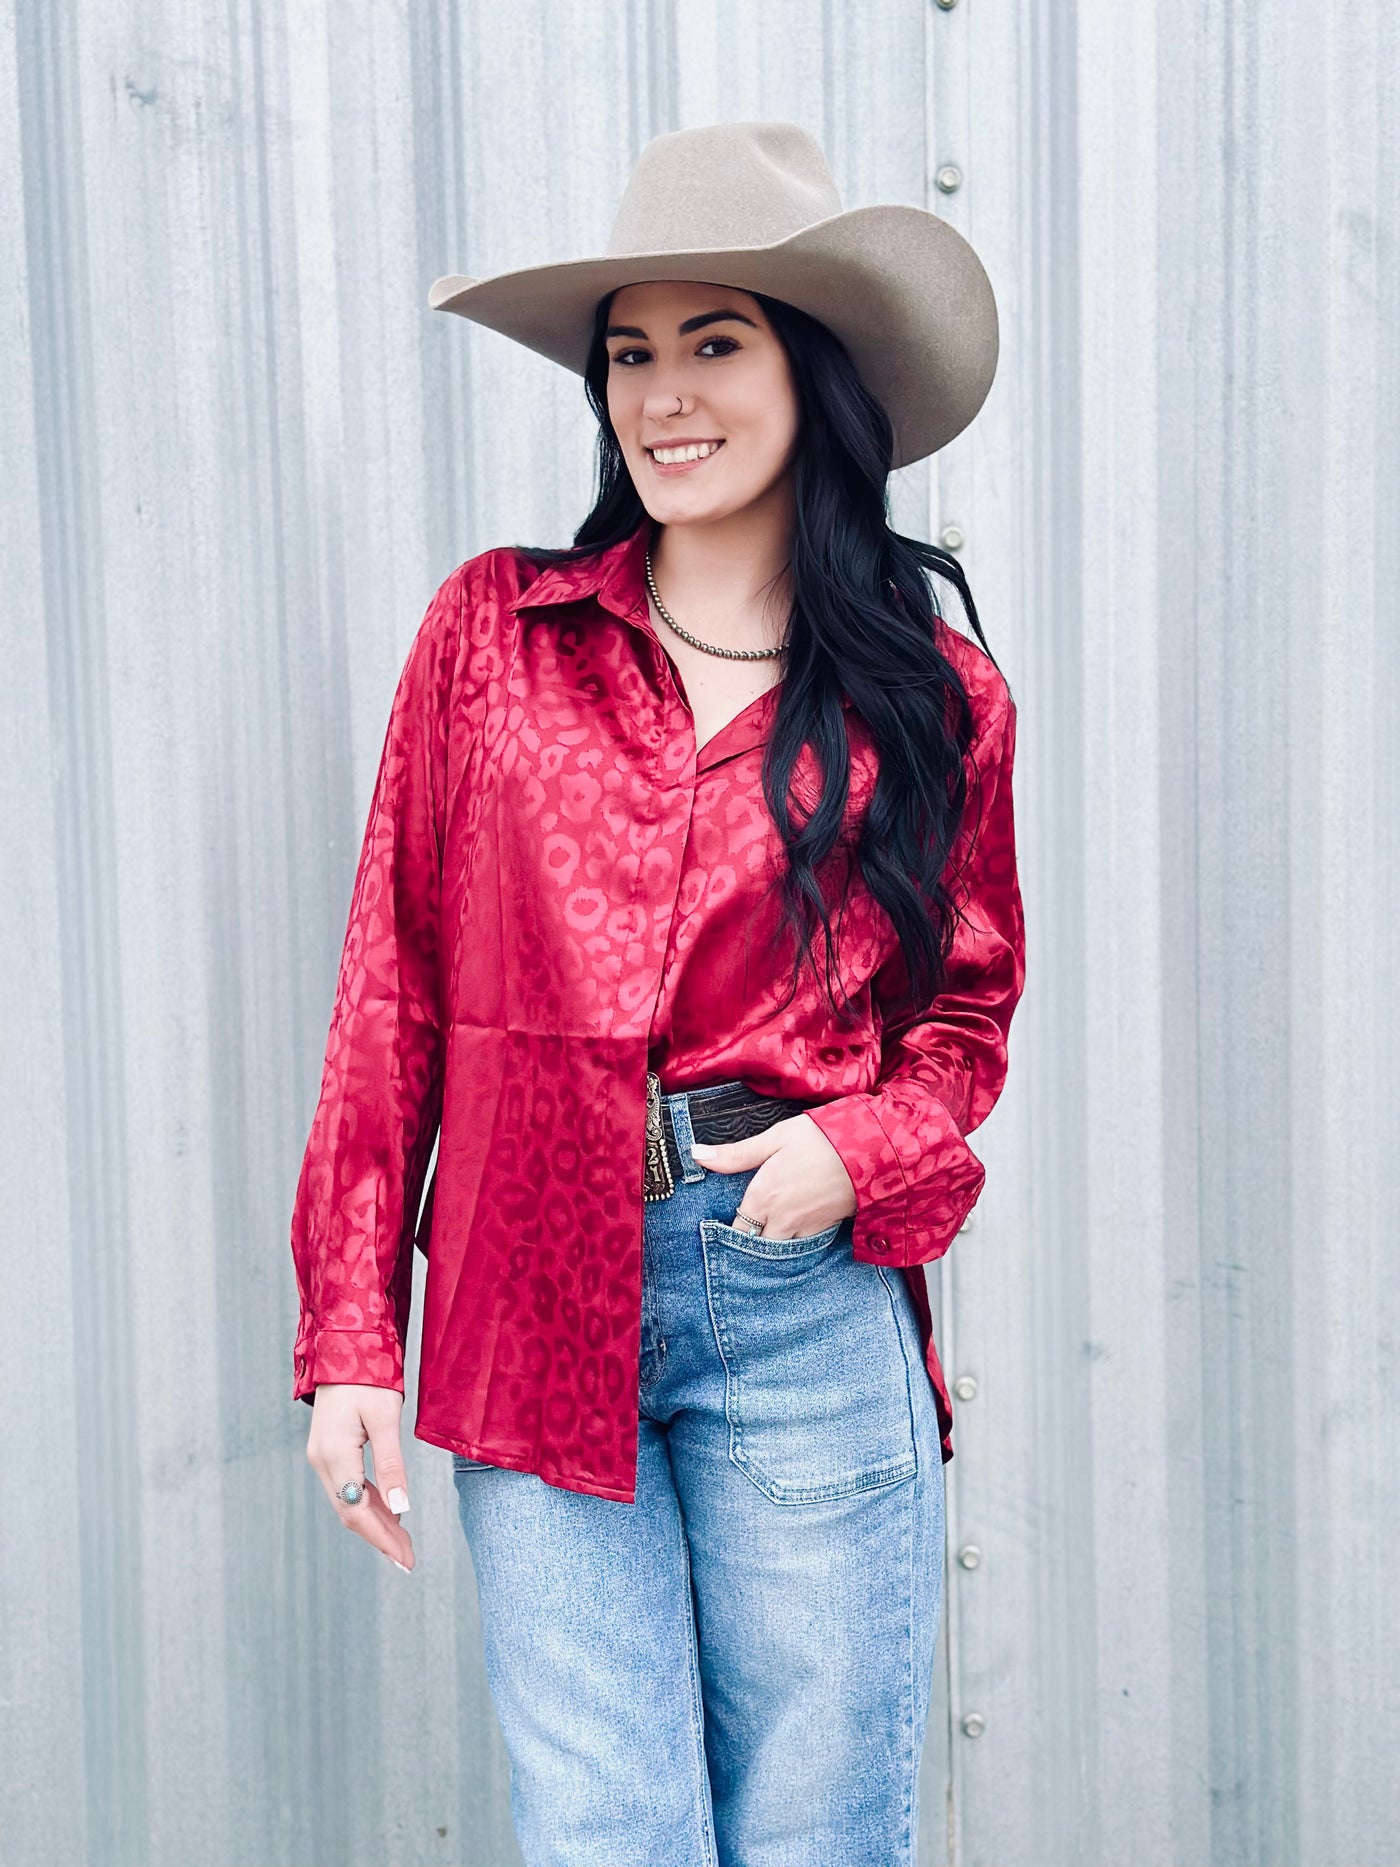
x=621, y=356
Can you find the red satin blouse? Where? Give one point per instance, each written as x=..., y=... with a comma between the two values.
x=556, y=892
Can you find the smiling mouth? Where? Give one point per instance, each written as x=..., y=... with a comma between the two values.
x=688, y=459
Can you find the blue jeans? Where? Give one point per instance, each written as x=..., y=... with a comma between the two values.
x=735, y=1670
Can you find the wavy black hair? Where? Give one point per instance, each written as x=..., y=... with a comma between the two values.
x=862, y=623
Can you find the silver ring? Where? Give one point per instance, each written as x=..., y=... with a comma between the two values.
x=754, y=1227
x=351, y=1491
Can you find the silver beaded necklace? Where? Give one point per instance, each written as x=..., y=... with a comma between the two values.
x=734, y=654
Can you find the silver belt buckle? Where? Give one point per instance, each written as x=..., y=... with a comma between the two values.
x=657, y=1180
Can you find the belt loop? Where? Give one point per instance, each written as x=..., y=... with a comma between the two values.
x=685, y=1136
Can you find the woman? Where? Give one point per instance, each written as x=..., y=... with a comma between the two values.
x=687, y=922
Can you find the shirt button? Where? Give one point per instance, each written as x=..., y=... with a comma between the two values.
x=879, y=1244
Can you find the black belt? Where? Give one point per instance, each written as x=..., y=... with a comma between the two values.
x=727, y=1113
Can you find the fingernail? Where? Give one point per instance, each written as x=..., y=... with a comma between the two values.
x=398, y=1501
x=701, y=1147
x=400, y=1565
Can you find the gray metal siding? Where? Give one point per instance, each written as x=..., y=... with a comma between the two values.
x=239, y=454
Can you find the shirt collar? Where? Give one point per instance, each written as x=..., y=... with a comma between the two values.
x=616, y=577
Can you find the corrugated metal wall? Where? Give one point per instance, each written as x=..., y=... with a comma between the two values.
x=239, y=454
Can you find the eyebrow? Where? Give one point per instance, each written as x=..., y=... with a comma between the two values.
x=683, y=330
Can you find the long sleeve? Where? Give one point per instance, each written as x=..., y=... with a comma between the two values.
x=903, y=1141
x=381, y=1093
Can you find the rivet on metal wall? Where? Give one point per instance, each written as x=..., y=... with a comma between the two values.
x=965, y=1387
x=969, y=1555
x=952, y=538
x=974, y=1724
x=949, y=178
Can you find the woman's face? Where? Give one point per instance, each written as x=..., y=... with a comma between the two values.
x=689, y=362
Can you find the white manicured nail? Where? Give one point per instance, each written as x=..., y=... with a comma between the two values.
x=398, y=1501
x=400, y=1565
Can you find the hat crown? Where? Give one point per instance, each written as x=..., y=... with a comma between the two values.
x=723, y=185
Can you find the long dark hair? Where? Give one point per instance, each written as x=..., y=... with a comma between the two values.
x=862, y=623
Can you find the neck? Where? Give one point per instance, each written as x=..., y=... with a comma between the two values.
x=727, y=580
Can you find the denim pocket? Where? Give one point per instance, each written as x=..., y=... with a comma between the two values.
x=817, y=1377
x=461, y=1463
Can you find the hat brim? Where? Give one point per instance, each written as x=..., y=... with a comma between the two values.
x=902, y=289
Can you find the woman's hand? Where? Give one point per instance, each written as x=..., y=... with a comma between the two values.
x=344, y=1419
x=801, y=1185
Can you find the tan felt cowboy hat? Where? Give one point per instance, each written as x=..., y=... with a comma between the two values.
x=754, y=205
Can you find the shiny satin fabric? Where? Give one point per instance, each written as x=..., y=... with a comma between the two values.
x=557, y=890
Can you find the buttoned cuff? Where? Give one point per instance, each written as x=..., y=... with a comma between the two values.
x=359, y=1357
x=914, y=1175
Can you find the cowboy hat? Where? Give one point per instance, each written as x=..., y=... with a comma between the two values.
x=754, y=205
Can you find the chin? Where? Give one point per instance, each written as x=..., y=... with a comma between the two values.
x=669, y=508
x=679, y=511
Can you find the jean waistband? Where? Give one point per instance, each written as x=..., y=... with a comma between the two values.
x=724, y=1111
